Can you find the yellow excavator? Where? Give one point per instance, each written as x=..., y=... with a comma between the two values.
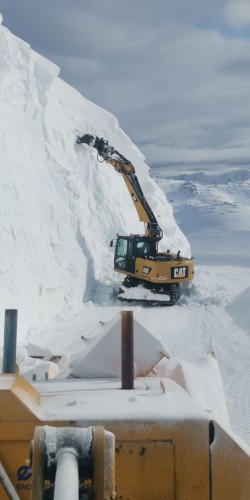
x=137, y=256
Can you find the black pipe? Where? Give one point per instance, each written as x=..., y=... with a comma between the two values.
x=127, y=350
x=9, y=347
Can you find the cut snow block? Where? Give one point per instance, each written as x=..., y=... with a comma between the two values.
x=201, y=378
x=102, y=355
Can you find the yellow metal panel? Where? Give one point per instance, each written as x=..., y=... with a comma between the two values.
x=18, y=396
x=145, y=469
x=230, y=468
x=160, y=272
x=17, y=431
x=21, y=386
x=15, y=457
x=153, y=458
x=191, y=452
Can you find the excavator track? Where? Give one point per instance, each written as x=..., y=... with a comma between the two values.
x=148, y=296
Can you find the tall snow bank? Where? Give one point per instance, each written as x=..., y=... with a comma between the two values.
x=239, y=310
x=59, y=207
x=202, y=380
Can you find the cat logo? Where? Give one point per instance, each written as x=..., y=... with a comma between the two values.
x=146, y=271
x=179, y=272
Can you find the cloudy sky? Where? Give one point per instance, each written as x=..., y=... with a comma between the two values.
x=176, y=73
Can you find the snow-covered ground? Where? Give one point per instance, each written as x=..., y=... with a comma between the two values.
x=59, y=208
x=213, y=209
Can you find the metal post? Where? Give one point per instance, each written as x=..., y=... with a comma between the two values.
x=127, y=350
x=10, y=334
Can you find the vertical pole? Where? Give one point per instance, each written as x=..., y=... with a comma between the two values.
x=127, y=350
x=10, y=333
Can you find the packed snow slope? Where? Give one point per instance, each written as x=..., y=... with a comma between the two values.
x=59, y=207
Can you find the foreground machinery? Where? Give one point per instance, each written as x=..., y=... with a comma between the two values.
x=137, y=256
x=130, y=438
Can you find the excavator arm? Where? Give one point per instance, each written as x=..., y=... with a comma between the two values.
x=125, y=167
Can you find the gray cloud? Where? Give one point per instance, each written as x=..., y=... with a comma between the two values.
x=237, y=67
x=175, y=74
x=238, y=13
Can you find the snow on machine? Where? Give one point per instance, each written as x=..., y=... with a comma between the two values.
x=137, y=256
x=122, y=437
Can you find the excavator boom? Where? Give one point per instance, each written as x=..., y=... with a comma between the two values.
x=125, y=167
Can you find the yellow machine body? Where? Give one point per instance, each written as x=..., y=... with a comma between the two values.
x=165, y=445
x=162, y=272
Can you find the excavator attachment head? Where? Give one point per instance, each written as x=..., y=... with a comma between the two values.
x=86, y=139
x=98, y=143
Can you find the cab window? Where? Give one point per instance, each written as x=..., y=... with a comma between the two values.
x=142, y=248
x=121, y=253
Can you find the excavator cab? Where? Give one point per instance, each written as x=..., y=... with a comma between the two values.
x=128, y=248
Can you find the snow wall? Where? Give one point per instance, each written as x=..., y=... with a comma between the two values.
x=59, y=207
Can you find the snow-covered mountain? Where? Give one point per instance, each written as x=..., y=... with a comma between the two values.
x=213, y=209
x=59, y=207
